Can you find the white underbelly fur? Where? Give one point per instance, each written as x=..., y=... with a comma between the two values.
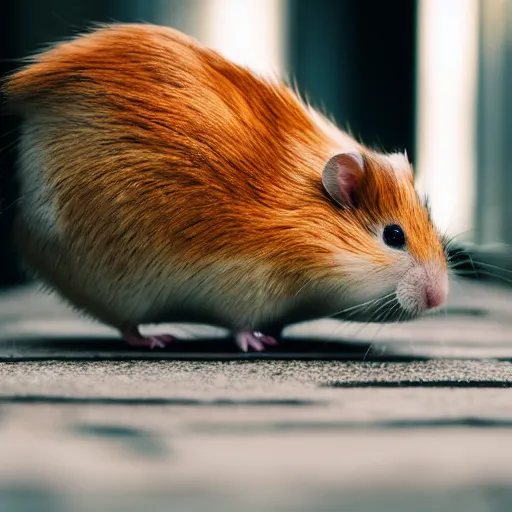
x=36, y=204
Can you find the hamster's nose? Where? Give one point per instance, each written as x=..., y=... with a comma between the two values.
x=434, y=298
x=436, y=290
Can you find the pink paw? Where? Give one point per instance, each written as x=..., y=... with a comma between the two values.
x=253, y=339
x=135, y=339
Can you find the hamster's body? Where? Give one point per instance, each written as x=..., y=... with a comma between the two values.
x=160, y=182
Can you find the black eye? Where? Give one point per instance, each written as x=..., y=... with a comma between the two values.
x=394, y=236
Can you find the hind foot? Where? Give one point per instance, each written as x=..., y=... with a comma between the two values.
x=134, y=338
x=253, y=339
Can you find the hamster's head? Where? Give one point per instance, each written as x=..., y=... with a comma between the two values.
x=390, y=253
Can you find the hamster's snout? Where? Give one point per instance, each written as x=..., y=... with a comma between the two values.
x=435, y=294
x=423, y=287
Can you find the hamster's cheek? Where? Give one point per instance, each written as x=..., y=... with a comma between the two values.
x=381, y=282
x=370, y=280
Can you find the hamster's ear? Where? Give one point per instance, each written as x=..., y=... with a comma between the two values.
x=342, y=175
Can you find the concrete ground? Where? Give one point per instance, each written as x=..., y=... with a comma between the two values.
x=339, y=417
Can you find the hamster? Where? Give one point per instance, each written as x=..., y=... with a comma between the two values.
x=161, y=182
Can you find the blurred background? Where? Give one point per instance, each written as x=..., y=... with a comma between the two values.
x=427, y=76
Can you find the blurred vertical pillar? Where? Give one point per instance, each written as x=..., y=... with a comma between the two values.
x=465, y=76
x=249, y=32
x=357, y=58
x=447, y=98
x=494, y=128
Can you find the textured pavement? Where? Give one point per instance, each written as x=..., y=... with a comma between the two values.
x=340, y=417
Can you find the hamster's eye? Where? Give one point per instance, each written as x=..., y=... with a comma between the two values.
x=394, y=236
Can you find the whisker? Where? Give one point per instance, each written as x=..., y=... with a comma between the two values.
x=496, y=267
x=471, y=261
x=393, y=309
x=484, y=273
x=9, y=146
x=8, y=133
x=385, y=313
x=377, y=332
x=357, y=307
x=368, y=350
x=10, y=205
x=363, y=326
x=449, y=240
x=458, y=264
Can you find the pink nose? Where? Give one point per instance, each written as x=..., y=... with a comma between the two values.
x=435, y=296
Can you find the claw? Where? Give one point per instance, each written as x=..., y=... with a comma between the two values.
x=254, y=340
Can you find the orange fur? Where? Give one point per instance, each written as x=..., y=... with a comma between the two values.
x=163, y=154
